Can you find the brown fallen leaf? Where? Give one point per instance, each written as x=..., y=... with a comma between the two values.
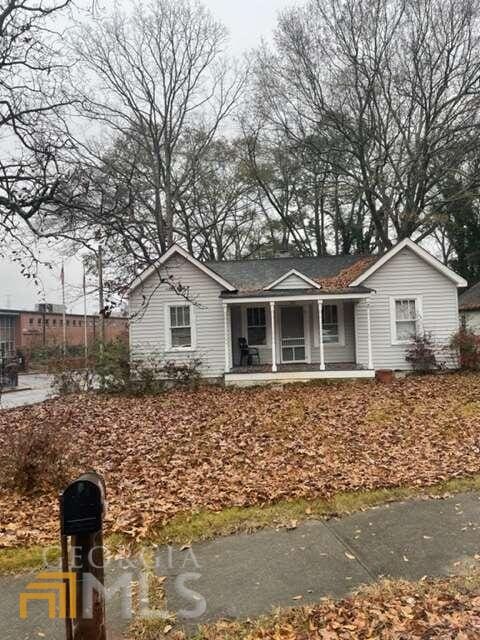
x=204, y=450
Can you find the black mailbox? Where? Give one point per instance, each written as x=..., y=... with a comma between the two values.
x=82, y=505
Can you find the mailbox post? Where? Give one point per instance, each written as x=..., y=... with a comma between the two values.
x=82, y=507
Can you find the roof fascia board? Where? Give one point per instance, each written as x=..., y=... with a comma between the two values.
x=177, y=249
x=421, y=253
x=293, y=272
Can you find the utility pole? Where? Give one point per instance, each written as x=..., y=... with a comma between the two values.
x=44, y=320
x=101, y=296
x=64, y=320
x=85, y=317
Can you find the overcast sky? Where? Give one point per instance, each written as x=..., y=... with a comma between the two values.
x=247, y=21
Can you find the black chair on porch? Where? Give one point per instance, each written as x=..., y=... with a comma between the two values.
x=247, y=353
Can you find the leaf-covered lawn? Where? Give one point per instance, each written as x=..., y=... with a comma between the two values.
x=435, y=610
x=215, y=447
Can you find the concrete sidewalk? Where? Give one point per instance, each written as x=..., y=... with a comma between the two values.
x=247, y=575
x=38, y=388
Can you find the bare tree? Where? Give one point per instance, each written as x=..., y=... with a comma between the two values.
x=393, y=85
x=216, y=217
x=161, y=78
x=32, y=100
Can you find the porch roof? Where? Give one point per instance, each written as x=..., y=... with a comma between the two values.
x=313, y=294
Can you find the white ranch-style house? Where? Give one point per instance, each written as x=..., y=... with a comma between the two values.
x=293, y=318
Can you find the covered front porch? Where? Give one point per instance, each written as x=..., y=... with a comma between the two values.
x=291, y=337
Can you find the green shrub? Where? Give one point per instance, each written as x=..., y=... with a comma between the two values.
x=420, y=353
x=467, y=344
x=112, y=366
x=112, y=370
x=46, y=353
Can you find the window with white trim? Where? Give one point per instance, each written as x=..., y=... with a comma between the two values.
x=333, y=324
x=256, y=326
x=331, y=331
x=180, y=327
x=406, y=314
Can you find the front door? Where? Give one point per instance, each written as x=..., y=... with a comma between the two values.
x=293, y=334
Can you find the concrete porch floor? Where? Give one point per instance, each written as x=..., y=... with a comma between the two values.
x=263, y=374
x=296, y=367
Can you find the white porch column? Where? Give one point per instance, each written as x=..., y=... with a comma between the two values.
x=274, y=345
x=369, y=332
x=320, y=328
x=227, y=327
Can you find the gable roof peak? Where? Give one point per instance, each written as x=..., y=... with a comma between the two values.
x=422, y=253
x=295, y=273
x=176, y=249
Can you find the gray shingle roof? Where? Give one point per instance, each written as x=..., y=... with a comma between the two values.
x=470, y=299
x=255, y=275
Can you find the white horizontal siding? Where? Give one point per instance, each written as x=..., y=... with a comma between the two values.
x=406, y=275
x=336, y=352
x=147, y=327
x=292, y=282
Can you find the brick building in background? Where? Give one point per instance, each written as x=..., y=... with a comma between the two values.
x=25, y=331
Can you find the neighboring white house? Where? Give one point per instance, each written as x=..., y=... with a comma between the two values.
x=303, y=318
x=470, y=308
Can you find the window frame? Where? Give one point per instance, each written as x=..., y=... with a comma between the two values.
x=393, y=317
x=245, y=326
x=168, y=328
x=341, y=324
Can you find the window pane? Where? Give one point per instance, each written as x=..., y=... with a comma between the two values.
x=330, y=323
x=256, y=326
x=406, y=330
x=330, y=314
x=330, y=333
x=256, y=317
x=257, y=336
x=180, y=316
x=181, y=337
x=405, y=310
